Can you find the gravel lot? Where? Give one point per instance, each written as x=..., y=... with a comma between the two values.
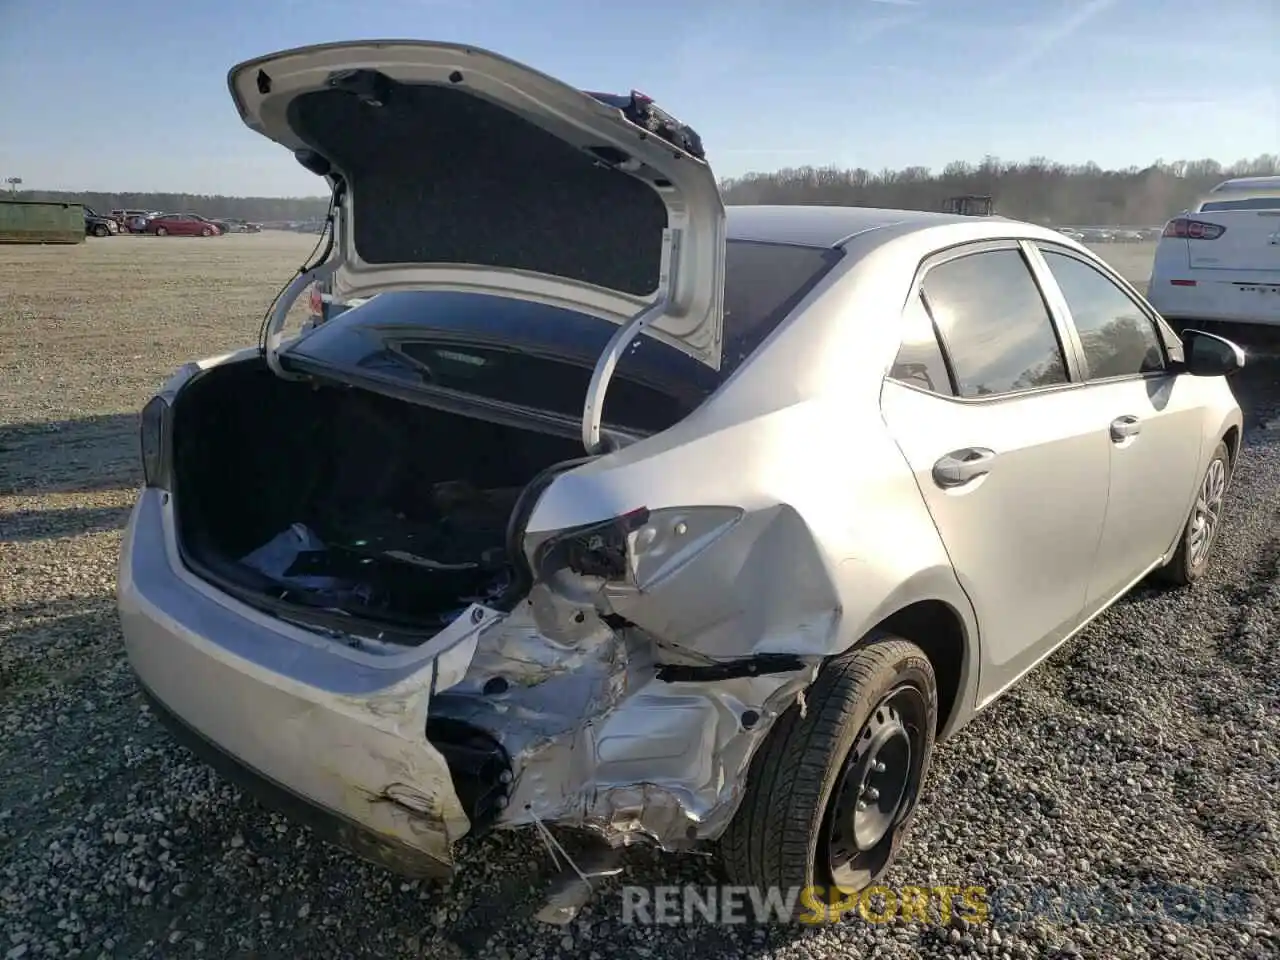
x=1145, y=756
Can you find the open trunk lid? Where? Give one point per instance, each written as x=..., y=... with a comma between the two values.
x=462, y=170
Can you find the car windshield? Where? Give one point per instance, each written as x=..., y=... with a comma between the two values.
x=542, y=356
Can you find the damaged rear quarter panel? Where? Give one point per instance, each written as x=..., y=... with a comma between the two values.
x=833, y=538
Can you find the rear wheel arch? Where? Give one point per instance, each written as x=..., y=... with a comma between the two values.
x=938, y=629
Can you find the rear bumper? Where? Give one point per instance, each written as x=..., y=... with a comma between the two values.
x=310, y=725
x=329, y=826
x=1215, y=300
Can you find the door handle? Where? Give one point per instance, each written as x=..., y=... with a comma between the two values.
x=960, y=466
x=1122, y=428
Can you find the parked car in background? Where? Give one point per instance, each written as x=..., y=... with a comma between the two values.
x=483, y=565
x=181, y=225
x=132, y=221
x=222, y=226
x=1220, y=260
x=241, y=226
x=322, y=307
x=97, y=225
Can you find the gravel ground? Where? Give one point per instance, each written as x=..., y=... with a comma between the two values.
x=1142, y=760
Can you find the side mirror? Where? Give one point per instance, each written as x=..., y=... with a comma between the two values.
x=1208, y=355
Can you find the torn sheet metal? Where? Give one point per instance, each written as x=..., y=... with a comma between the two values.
x=598, y=741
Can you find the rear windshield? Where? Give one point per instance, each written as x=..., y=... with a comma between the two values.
x=542, y=356
x=1249, y=203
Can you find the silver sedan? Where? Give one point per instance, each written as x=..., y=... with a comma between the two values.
x=672, y=524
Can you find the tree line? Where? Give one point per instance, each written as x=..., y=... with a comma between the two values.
x=1038, y=190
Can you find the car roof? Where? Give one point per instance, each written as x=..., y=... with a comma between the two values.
x=825, y=226
x=830, y=226
x=1248, y=183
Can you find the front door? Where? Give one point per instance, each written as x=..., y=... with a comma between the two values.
x=1151, y=419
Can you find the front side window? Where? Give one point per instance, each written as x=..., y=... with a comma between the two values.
x=1119, y=340
x=996, y=327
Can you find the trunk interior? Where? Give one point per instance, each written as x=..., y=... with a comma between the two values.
x=343, y=500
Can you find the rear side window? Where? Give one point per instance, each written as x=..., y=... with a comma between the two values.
x=763, y=283
x=1250, y=203
x=1119, y=340
x=996, y=327
x=920, y=362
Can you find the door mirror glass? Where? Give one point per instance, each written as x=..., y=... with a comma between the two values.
x=1208, y=355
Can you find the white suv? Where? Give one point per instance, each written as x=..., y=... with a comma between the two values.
x=1221, y=260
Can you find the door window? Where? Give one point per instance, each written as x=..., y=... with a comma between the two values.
x=994, y=323
x=920, y=362
x=1119, y=339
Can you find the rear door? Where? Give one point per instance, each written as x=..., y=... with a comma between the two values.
x=1006, y=449
x=1151, y=417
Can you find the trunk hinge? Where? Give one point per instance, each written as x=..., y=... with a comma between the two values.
x=334, y=258
x=275, y=329
x=593, y=408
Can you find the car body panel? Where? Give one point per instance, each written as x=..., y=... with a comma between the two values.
x=1046, y=493
x=667, y=197
x=1153, y=475
x=345, y=730
x=825, y=526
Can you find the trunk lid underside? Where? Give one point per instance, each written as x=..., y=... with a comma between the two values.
x=463, y=170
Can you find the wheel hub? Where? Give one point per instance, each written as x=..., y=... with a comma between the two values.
x=877, y=788
x=881, y=778
x=1208, y=509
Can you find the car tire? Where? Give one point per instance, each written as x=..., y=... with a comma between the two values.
x=161, y=232
x=100, y=231
x=206, y=232
x=869, y=719
x=1190, y=560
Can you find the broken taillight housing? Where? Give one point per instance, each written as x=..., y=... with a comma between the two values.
x=156, y=436
x=637, y=549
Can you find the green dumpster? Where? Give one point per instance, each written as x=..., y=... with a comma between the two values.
x=40, y=221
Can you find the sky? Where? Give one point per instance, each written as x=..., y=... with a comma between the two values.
x=131, y=95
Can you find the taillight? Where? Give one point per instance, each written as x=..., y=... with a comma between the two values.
x=315, y=301
x=156, y=443
x=1187, y=229
x=635, y=550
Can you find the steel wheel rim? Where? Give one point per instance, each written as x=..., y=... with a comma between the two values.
x=1207, y=513
x=877, y=788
